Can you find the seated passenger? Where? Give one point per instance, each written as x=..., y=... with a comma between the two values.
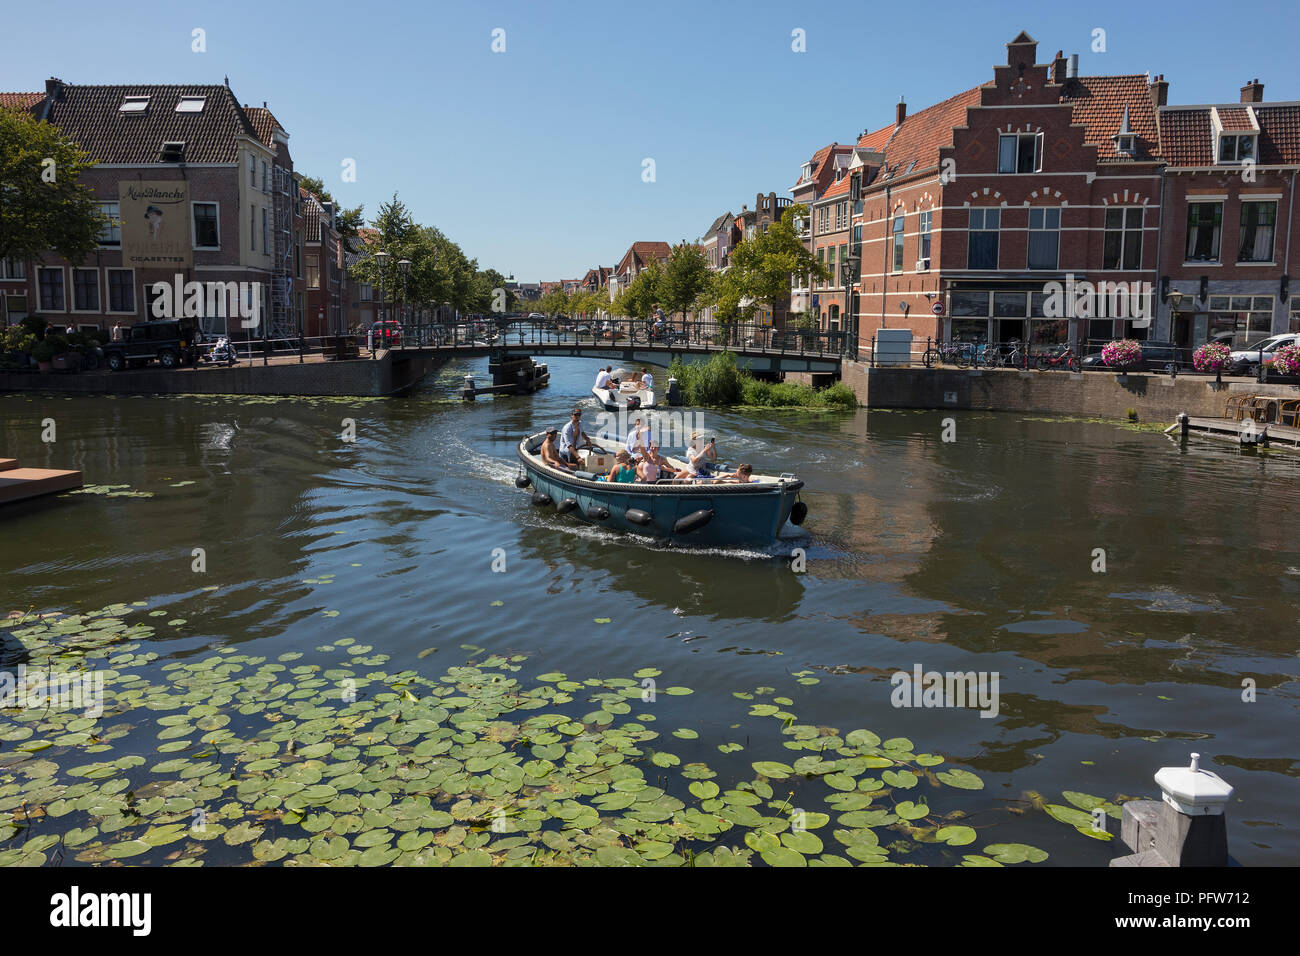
x=744, y=474
x=623, y=469
x=551, y=455
x=647, y=380
x=602, y=377
x=699, y=454
x=666, y=470
x=647, y=471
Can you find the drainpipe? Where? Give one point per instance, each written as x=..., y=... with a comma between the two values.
x=1160, y=235
x=1286, y=266
x=884, y=271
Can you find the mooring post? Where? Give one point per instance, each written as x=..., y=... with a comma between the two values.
x=1184, y=425
x=467, y=391
x=1186, y=827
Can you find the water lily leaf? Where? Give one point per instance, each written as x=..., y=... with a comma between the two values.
x=909, y=810
x=772, y=769
x=705, y=790
x=1015, y=853
x=961, y=779
x=956, y=835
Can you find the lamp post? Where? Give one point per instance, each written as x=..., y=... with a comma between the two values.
x=404, y=267
x=381, y=258
x=850, y=269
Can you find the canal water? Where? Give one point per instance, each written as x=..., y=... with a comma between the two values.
x=1128, y=594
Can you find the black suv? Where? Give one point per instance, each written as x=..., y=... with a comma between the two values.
x=170, y=341
x=1156, y=357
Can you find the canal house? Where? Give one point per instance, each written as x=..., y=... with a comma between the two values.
x=1230, y=212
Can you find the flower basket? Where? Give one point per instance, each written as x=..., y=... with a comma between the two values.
x=1211, y=357
x=1285, y=361
x=1122, y=354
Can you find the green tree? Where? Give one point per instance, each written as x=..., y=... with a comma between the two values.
x=762, y=268
x=686, y=276
x=644, y=293
x=43, y=206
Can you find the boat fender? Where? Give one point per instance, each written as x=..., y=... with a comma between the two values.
x=523, y=481
x=693, y=521
x=637, y=516
x=540, y=498
x=598, y=513
x=798, y=512
x=566, y=505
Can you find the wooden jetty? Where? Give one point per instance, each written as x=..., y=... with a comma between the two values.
x=1248, y=432
x=18, y=484
x=511, y=375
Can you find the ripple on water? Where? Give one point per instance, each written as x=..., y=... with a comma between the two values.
x=1169, y=601
x=1046, y=627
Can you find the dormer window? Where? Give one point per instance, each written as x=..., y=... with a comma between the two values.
x=134, y=104
x=191, y=104
x=1125, y=139
x=1237, y=147
x=807, y=171
x=1124, y=145
x=172, y=152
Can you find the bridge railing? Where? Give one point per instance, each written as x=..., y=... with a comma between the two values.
x=607, y=333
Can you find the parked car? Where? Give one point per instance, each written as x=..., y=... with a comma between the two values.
x=170, y=342
x=1156, y=357
x=1246, y=361
x=386, y=333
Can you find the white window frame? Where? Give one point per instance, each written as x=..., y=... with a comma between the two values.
x=7, y=269
x=252, y=170
x=194, y=232
x=1236, y=136
x=134, y=104
x=117, y=227
x=72, y=301
x=252, y=227
x=40, y=301
x=1030, y=230
x=186, y=104
x=1038, y=153
x=1272, y=251
x=108, y=292
x=1127, y=235
x=266, y=231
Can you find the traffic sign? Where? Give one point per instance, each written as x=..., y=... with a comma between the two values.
x=937, y=308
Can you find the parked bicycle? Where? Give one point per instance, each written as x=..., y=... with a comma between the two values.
x=1011, y=355
x=960, y=354
x=1062, y=357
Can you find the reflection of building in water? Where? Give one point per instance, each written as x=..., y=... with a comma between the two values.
x=875, y=511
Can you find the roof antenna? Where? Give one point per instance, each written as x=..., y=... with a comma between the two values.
x=227, y=82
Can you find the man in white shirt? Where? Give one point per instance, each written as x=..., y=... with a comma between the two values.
x=635, y=443
x=573, y=437
x=603, y=377
x=647, y=381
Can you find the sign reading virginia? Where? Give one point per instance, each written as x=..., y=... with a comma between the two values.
x=155, y=224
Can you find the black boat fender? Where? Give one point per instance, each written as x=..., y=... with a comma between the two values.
x=597, y=513
x=566, y=505
x=542, y=499
x=798, y=512
x=523, y=481
x=693, y=521
x=637, y=516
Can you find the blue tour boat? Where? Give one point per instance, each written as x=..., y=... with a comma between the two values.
x=702, y=513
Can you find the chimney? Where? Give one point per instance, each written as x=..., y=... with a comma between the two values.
x=900, y=112
x=1253, y=92
x=1072, y=68
x=53, y=88
x=1058, y=67
x=1159, y=91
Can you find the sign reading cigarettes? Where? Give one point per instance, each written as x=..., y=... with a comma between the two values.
x=155, y=224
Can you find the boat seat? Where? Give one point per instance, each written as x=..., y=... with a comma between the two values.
x=585, y=475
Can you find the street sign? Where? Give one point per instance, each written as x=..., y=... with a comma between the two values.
x=937, y=308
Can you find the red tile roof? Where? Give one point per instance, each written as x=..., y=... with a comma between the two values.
x=90, y=116
x=1098, y=102
x=874, y=141
x=1235, y=118
x=1188, y=134
x=823, y=168
x=264, y=122
x=20, y=101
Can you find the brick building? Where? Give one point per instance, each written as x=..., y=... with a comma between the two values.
x=818, y=173
x=1229, y=211
x=638, y=256
x=186, y=183
x=961, y=217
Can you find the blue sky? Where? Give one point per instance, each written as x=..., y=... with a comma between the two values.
x=532, y=158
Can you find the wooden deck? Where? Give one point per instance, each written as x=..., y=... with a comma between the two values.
x=18, y=484
x=1244, y=432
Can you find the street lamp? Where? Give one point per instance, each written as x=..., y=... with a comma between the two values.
x=850, y=268
x=381, y=258
x=404, y=267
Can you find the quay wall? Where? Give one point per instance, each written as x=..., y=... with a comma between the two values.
x=1091, y=394
x=390, y=374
